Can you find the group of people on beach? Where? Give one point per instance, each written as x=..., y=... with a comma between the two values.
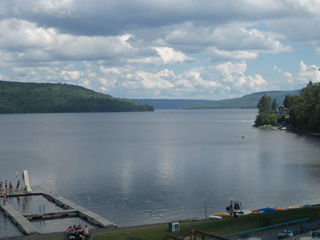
x=77, y=231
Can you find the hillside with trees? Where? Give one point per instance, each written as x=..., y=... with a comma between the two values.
x=304, y=110
x=16, y=97
x=246, y=102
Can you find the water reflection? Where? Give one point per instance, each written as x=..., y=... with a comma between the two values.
x=167, y=162
x=32, y=204
x=7, y=228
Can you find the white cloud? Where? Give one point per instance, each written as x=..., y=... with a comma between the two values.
x=233, y=76
x=226, y=78
x=111, y=70
x=237, y=37
x=307, y=74
x=183, y=48
x=169, y=56
x=287, y=74
x=70, y=75
x=213, y=52
x=228, y=41
x=23, y=41
x=21, y=35
x=107, y=84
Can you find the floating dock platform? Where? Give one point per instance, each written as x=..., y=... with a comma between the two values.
x=69, y=209
x=21, y=222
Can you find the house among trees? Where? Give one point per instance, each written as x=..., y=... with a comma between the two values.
x=283, y=111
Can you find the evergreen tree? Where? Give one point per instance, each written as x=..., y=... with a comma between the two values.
x=288, y=100
x=264, y=104
x=274, y=106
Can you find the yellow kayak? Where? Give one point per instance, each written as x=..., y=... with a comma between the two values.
x=279, y=209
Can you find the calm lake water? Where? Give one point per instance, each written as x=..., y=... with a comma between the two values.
x=150, y=167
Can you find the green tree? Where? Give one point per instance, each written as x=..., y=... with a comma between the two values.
x=274, y=106
x=264, y=104
x=304, y=111
x=288, y=101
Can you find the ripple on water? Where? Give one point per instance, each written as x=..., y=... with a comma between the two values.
x=33, y=204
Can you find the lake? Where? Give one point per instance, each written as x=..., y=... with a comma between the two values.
x=150, y=167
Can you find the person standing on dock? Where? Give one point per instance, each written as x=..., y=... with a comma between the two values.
x=4, y=198
x=18, y=184
x=6, y=185
x=10, y=189
x=86, y=232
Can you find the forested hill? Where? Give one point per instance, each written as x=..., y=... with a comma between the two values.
x=247, y=101
x=168, y=103
x=16, y=97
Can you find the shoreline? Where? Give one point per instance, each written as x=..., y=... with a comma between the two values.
x=160, y=229
x=287, y=128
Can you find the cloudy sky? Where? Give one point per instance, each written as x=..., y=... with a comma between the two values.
x=177, y=49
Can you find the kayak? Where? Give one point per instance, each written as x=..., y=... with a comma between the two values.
x=215, y=217
x=279, y=209
x=223, y=215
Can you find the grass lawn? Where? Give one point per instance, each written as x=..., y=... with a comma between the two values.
x=218, y=227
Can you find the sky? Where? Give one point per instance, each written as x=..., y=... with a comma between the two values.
x=177, y=49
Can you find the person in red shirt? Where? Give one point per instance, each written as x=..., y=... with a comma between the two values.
x=18, y=184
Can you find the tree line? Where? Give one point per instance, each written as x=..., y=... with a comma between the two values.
x=304, y=110
x=60, y=98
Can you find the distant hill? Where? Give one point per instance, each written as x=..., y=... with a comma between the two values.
x=167, y=103
x=247, y=101
x=17, y=97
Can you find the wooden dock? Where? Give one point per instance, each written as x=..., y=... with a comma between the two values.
x=89, y=216
x=69, y=209
x=51, y=215
x=21, y=222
